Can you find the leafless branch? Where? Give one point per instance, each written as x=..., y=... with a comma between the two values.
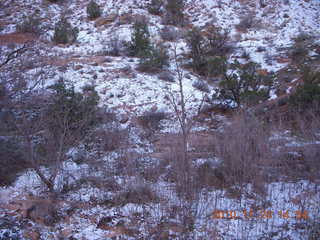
x=14, y=54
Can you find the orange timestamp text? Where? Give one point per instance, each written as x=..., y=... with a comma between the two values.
x=259, y=214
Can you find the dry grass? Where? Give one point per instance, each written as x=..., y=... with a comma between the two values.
x=245, y=151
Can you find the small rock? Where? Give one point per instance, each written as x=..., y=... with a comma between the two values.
x=188, y=76
x=121, y=94
x=123, y=118
x=207, y=98
x=66, y=233
x=78, y=67
x=154, y=108
x=110, y=95
x=107, y=60
x=166, y=76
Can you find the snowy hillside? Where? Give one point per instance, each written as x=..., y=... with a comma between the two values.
x=160, y=162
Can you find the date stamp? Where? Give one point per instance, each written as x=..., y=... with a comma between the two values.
x=260, y=214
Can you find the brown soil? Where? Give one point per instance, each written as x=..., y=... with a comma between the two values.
x=17, y=38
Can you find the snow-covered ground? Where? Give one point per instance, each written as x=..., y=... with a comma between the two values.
x=127, y=91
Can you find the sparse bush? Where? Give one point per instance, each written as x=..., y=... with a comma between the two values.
x=93, y=10
x=299, y=53
x=12, y=161
x=208, y=175
x=138, y=193
x=246, y=22
x=300, y=48
x=115, y=46
x=155, y=7
x=302, y=37
x=79, y=110
x=109, y=139
x=151, y=120
x=174, y=13
x=154, y=59
x=64, y=32
x=301, y=161
x=30, y=24
x=201, y=85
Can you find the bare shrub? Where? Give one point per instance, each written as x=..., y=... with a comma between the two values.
x=246, y=22
x=12, y=161
x=244, y=149
x=174, y=12
x=169, y=33
x=305, y=164
x=150, y=169
x=151, y=120
x=137, y=193
x=210, y=176
x=109, y=139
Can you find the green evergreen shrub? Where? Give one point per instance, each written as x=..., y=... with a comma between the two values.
x=30, y=24
x=244, y=84
x=140, y=40
x=155, y=7
x=308, y=94
x=154, y=59
x=93, y=10
x=196, y=42
x=207, y=50
x=216, y=66
x=64, y=32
